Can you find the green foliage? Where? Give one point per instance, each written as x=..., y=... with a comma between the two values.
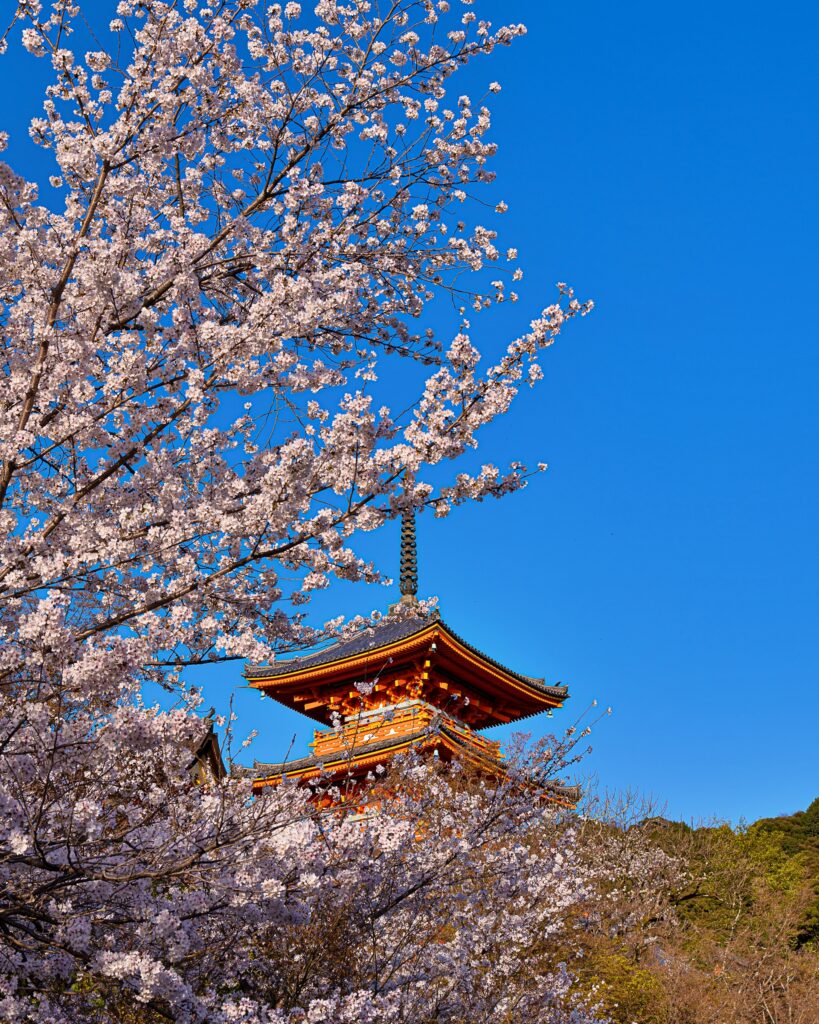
x=799, y=831
x=797, y=835
x=738, y=942
x=626, y=991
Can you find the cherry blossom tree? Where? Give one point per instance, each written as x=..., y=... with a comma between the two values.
x=245, y=207
x=251, y=211
x=136, y=896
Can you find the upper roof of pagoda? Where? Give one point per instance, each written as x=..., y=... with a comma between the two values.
x=410, y=651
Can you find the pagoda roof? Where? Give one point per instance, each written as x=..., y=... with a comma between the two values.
x=334, y=762
x=366, y=756
x=402, y=633
x=382, y=633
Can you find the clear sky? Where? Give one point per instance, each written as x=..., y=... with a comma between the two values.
x=663, y=159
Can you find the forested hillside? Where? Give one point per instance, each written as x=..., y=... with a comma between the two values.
x=798, y=835
x=736, y=940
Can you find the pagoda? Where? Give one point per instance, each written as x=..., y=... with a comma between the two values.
x=407, y=681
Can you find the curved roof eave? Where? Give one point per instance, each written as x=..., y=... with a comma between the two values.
x=381, y=636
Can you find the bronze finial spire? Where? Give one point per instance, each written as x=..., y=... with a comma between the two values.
x=409, y=559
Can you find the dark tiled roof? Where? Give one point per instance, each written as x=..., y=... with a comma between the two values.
x=387, y=631
x=262, y=769
x=571, y=794
x=206, y=751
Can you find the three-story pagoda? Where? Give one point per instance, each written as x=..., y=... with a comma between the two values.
x=408, y=681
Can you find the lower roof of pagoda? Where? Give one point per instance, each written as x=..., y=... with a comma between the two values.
x=325, y=683
x=364, y=759
x=366, y=756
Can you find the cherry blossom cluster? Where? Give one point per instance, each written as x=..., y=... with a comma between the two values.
x=130, y=893
x=250, y=204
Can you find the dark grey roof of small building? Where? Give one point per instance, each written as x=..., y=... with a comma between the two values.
x=206, y=751
x=387, y=631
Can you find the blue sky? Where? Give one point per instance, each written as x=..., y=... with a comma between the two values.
x=664, y=159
